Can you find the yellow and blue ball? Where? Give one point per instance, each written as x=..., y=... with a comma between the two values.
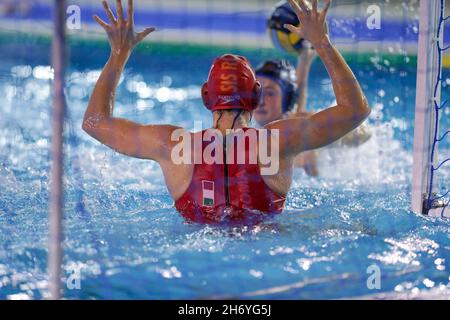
x=281, y=37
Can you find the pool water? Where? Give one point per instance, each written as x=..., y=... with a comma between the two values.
x=127, y=241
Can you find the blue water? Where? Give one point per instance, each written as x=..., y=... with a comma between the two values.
x=123, y=234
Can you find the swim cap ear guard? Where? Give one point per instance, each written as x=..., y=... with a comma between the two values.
x=231, y=85
x=257, y=94
x=205, y=96
x=283, y=73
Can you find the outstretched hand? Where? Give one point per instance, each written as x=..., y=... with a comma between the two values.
x=121, y=35
x=312, y=21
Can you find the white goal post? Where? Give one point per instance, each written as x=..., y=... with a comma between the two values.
x=428, y=73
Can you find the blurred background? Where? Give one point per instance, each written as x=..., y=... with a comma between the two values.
x=120, y=226
x=232, y=23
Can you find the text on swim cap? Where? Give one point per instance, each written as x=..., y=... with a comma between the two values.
x=228, y=81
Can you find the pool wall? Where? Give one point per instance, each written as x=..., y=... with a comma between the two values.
x=231, y=23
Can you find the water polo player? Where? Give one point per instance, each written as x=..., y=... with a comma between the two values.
x=225, y=188
x=285, y=87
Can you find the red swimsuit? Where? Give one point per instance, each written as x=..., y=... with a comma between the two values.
x=231, y=191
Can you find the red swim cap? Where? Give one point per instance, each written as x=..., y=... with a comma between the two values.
x=231, y=84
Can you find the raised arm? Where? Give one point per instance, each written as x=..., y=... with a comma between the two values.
x=305, y=59
x=124, y=136
x=324, y=127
